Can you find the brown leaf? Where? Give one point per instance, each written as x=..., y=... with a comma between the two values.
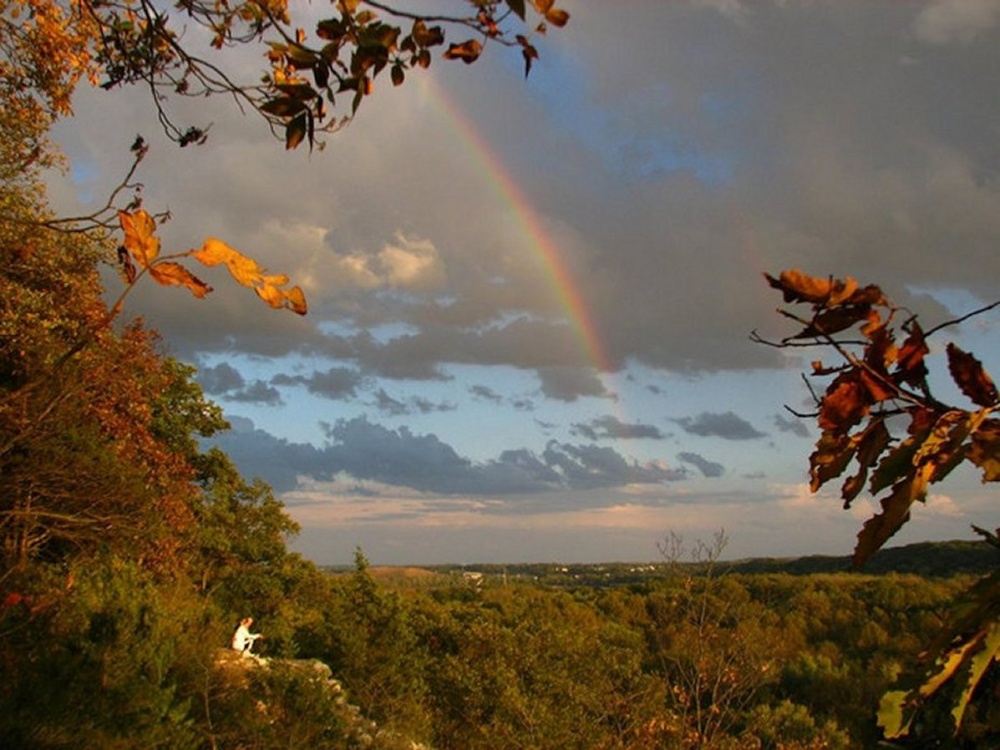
x=878, y=529
x=970, y=377
x=468, y=51
x=985, y=449
x=910, y=367
x=518, y=7
x=870, y=445
x=833, y=320
x=879, y=389
x=174, y=274
x=845, y=404
x=833, y=453
x=800, y=287
x=557, y=17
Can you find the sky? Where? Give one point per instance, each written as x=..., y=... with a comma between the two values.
x=531, y=300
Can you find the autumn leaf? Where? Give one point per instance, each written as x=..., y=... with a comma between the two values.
x=985, y=449
x=295, y=130
x=468, y=52
x=900, y=460
x=910, y=367
x=833, y=320
x=878, y=529
x=845, y=403
x=140, y=241
x=292, y=299
x=800, y=287
x=970, y=377
x=216, y=252
x=871, y=442
x=518, y=7
x=249, y=273
x=833, y=453
x=557, y=17
x=174, y=274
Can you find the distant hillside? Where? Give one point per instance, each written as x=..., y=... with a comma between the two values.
x=929, y=559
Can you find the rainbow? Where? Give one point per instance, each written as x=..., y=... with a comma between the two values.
x=556, y=269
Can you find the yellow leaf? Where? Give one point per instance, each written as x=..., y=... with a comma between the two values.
x=216, y=252
x=174, y=274
x=249, y=273
x=140, y=241
x=293, y=299
x=270, y=294
x=296, y=301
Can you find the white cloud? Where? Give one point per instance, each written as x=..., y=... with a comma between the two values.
x=962, y=21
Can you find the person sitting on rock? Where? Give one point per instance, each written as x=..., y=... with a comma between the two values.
x=243, y=639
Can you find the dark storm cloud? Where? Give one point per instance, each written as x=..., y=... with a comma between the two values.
x=676, y=151
x=795, y=426
x=334, y=383
x=258, y=392
x=570, y=383
x=710, y=469
x=412, y=405
x=726, y=425
x=612, y=428
x=370, y=452
x=219, y=379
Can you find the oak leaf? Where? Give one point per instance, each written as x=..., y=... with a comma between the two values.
x=970, y=377
x=845, y=404
x=985, y=449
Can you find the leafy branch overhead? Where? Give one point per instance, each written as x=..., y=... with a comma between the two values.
x=882, y=374
x=310, y=73
x=883, y=427
x=141, y=249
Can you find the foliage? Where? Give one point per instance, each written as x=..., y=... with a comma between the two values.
x=51, y=45
x=879, y=414
x=90, y=659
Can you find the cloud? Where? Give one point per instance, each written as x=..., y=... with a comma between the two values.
x=570, y=383
x=726, y=425
x=369, y=452
x=258, y=392
x=612, y=428
x=220, y=378
x=412, y=405
x=333, y=383
x=485, y=392
x=708, y=468
x=962, y=21
x=795, y=426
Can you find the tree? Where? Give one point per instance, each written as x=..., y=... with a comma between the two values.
x=716, y=648
x=879, y=415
